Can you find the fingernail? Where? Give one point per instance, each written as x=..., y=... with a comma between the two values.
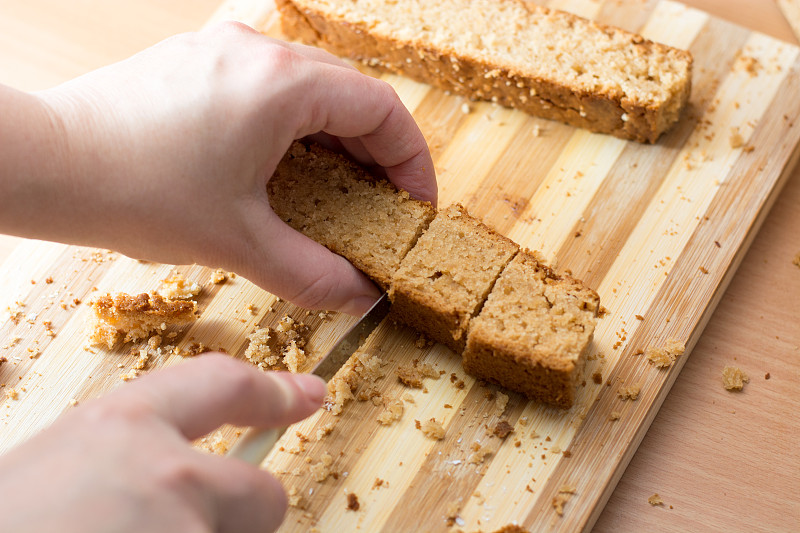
x=313, y=387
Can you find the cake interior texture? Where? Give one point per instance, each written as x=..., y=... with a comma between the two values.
x=445, y=278
x=340, y=205
x=531, y=335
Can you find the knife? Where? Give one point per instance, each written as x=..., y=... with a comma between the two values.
x=255, y=444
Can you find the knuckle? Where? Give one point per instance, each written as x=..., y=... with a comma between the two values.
x=177, y=473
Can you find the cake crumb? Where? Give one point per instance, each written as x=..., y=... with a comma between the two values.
x=178, y=288
x=629, y=393
x=500, y=403
x=258, y=351
x=562, y=497
x=352, y=502
x=321, y=470
x=219, y=276
x=479, y=453
x=412, y=376
x=325, y=430
x=392, y=411
x=295, y=498
x=614, y=416
x=597, y=377
x=502, y=429
x=655, y=499
x=664, y=357
x=733, y=378
x=12, y=394
x=378, y=483
x=432, y=429
x=796, y=260
x=293, y=357
x=451, y=514
x=736, y=140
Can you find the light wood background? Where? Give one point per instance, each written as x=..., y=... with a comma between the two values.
x=719, y=460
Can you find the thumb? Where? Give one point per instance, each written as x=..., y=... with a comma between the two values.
x=200, y=395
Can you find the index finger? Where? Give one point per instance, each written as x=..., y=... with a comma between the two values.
x=346, y=103
x=198, y=396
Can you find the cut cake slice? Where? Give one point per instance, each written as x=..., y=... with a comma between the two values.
x=445, y=278
x=338, y=204
x=532, y=333
x=136, y=316
x=545, y=62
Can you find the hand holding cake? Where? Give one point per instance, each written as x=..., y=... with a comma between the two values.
x=165, y=157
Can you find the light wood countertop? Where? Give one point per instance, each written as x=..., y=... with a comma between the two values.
x=719, y=460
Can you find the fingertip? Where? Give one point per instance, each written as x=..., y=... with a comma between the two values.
x=312, y=386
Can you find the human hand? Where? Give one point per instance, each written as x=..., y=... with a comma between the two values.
x=167, y=155
x=123, y=462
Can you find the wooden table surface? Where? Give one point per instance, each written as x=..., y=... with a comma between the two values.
x=719, y=460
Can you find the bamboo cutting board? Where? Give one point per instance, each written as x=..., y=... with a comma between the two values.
x=657, y=230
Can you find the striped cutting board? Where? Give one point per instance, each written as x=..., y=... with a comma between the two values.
x=657, y=230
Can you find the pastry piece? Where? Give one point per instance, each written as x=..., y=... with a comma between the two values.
x=532, y=333
x=542, y=61
x=340, y=205
x=136, y=316
x=445, y=278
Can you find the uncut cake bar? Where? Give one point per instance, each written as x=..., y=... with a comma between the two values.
x=340, y=205
x=532, y=333
x=445, y=278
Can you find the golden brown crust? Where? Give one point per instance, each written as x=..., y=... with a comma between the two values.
x=612, y=112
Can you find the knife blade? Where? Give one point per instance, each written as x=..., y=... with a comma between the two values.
x=256, y=443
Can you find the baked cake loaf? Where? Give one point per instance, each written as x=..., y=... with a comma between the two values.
x=533, y=331
x=546, y=62
x=340, y=205
x=446, y=277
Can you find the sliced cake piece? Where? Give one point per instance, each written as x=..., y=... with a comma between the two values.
x=340, y=205
x=445, y=278
x=543, y=61
x=532, y=333
x=136, y=316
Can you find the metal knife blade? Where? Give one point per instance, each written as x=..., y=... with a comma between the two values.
x=255, y=444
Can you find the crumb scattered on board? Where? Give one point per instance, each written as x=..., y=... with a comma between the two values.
x=431, y=429
x=392, y=411
x=363, y=367
x=352, y=502
x=321, y=470
x=412, y=376
x=502, y=429
x=733, y=378
x=562, y=497
x=178, y=288
x=630, y=392
x=664, y=356
x=796, y=260
x=219, y=276
x=655, y=499
x=479, y=452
